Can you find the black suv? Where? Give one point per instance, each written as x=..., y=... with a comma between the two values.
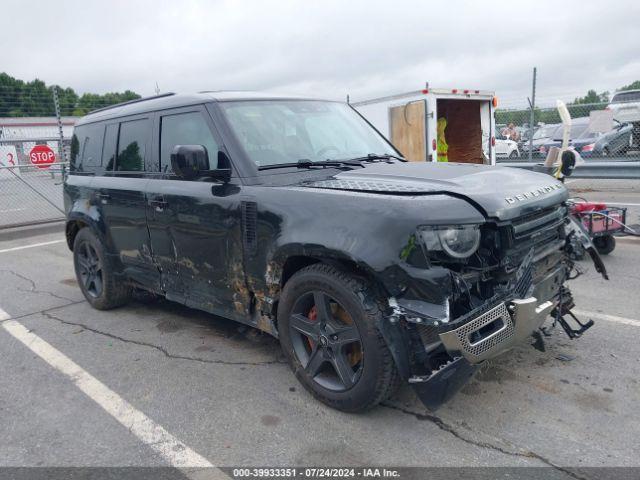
x=295, y=216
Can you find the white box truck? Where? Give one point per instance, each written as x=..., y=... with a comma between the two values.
x=409, y=121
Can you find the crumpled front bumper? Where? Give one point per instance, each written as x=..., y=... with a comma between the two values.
x=486, y=335
x=497, y=329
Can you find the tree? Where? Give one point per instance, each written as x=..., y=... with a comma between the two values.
x=591, y=97
x=19, y=99
x=632, y=86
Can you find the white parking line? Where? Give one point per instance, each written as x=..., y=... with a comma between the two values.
x=34, y=245
x=607, y=318
x=155, y=436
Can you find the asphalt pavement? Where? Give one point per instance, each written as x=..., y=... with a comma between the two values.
x=155, y=384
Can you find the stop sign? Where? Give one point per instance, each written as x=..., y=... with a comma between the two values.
x=42, y=156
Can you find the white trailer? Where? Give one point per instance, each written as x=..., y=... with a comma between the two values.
x=409, y=121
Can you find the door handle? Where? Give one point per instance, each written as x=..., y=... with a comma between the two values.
x=158, y=203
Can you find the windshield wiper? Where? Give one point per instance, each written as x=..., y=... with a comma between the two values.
x=376, y=157
x=306, y=163
x=351, y=162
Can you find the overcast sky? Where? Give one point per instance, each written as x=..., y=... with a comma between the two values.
x=324, y=48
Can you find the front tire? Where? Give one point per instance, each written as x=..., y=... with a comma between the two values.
x=327, y=326
x=95, y=273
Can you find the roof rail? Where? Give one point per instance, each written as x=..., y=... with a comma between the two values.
x=137, y=100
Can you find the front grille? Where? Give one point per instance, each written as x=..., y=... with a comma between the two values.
x=540, y=231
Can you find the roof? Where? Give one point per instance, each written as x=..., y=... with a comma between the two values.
x=462, y=94
x=36, y=121
x=173, y=100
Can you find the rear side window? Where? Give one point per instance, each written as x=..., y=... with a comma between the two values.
x=86, y=148
x=186, y=129
x=132, y=145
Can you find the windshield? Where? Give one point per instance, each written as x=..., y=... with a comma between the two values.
x=544, y=132
x=576, y=131
x=274, y=132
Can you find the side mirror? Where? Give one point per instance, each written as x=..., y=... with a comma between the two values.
x=189, y=161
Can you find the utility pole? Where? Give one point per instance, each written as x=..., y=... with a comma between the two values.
x=532, y=105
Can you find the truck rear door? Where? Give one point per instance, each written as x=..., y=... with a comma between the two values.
x=407, y=125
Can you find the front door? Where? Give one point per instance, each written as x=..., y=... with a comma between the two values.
x=195, y=226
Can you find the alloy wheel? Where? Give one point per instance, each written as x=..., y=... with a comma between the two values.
x=90, y=269
x=326, y=341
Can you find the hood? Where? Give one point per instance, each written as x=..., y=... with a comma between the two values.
x=499, y=192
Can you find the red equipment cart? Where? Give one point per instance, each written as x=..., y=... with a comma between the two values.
x=601, y=222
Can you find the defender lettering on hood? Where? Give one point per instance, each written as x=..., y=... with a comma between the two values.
x=533, y=193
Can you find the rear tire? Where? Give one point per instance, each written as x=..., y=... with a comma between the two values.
x=317, y=302
x=95, y=273
x=605, y=244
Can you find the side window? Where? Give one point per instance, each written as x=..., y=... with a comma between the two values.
x=74, y=160
x=185, y=129
x=132, y=145
x=109, y=149
x=92, y=148
x=86, y=148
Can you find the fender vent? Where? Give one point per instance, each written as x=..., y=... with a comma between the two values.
x=249, y=231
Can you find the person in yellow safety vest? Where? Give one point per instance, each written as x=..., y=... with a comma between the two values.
x=443, y=148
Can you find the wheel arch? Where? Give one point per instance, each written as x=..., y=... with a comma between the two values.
x=79, y=220
x=285, y=265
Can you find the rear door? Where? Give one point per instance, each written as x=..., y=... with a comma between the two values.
x=407, y=124
x=195, y=226
x=487, y=125
x=121, y=198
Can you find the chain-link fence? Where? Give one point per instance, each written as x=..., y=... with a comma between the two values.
x=30, y=195
x=599, y=130
x=36, y=127
x=33, y=152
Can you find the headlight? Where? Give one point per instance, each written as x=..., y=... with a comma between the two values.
x=457, y=241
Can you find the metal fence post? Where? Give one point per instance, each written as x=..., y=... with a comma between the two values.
x=56, y=102
x=532, y=104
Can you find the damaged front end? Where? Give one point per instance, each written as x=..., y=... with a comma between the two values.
x=489, y=302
